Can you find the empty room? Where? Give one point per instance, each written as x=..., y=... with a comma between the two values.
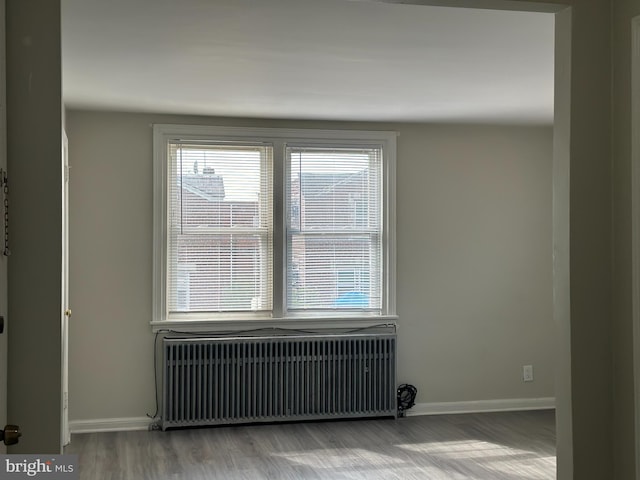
x=283, y=211
x=321, y=239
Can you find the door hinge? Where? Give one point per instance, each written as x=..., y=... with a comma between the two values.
x=4, y=183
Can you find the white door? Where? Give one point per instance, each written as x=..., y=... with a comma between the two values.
x=66, y=310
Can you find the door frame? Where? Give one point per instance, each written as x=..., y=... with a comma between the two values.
x=635, y=222
x=561, y=204
x=4, y=281
x=65, y=314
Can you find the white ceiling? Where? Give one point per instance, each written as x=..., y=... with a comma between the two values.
x=308, y=59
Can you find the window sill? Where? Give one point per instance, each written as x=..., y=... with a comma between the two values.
x=306, y=324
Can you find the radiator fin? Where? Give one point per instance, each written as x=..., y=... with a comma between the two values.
x=265, y=379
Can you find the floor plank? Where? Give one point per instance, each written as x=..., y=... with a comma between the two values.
x=492, y=446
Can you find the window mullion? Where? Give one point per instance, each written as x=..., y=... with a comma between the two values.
x=280, y=205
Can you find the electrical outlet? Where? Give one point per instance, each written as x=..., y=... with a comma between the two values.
x=527, y=373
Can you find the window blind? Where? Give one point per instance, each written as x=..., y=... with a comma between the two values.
x=334, y=229
x=220, y=227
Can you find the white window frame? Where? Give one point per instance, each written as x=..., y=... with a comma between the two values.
x=262, y=231
x=279, y=138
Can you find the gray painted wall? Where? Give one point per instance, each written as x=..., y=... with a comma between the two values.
x=590, y=257
x=34, y=125
x=4, y=261
x=474, y=260
x=625, y=443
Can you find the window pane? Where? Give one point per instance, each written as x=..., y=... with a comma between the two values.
x=219, y=273
x=334, y=232
x=334, y=272
x=220, y=228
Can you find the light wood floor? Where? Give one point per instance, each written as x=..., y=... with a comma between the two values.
x=492, y=446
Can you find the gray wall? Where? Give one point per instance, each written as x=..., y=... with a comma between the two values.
x=582, y=221
x=623, y=395
x=4, y=261
x=474, y=260
x=34, y=125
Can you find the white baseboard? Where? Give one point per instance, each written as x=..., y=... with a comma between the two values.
x=109, y=425
x=479, y=406
x=434, y=408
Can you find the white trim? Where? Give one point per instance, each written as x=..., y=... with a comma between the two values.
x=163, y=133
x=389, y=212
x=64, y=291
x=435, y=408
x=197, y=132
x=110, y=425
x=482, y=406
x=635, y=221
x=305, y=323
x=561, y=199
x=159, y=306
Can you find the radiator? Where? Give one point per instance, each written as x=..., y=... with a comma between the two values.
x=282, y=378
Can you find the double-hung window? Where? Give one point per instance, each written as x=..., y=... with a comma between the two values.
x=258, y=224
x=334, y=229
